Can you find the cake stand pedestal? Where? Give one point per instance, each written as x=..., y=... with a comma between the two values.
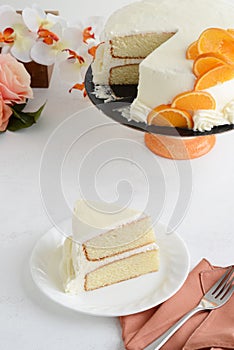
x=179, y=148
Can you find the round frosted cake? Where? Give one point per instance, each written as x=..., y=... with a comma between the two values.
x=180, y=53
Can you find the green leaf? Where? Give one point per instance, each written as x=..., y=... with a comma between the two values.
x=36, y=115
x=21, y=120
x=19, y=107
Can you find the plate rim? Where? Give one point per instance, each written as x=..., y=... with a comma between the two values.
x=102, y=313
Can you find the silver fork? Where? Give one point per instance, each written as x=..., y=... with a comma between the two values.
x=217, y=296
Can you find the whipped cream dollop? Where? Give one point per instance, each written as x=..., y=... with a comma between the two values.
x=205, y=120
x=229, y=112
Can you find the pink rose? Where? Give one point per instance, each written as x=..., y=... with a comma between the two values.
x=14, y=80
x=5, y=113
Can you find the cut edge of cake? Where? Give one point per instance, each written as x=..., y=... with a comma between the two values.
x=128, y=268
x=124, y=252
x=117, y=60
x=137, y=45
x=123, y=238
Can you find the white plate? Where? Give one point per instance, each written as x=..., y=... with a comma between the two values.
x=124, y=298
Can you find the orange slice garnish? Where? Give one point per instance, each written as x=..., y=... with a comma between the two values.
x=227, y=51
x=206, y=62
x=165, y=115
x=212, y=40
x=192, y=51
x=231, y=32
x=194, y=100
x=214, y=76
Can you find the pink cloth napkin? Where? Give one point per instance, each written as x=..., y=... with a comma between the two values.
x=206, y=330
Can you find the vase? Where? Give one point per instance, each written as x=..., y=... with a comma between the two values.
x=40, y=74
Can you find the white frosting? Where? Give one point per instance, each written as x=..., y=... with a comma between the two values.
x=146, y=16
x=75, y=266
x=222, y=94
x=166, y=72
x=125, y=112
x=229, y=112
x=141, y=111
x=91, y=218
x=205, y=120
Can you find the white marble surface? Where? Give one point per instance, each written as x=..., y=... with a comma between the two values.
x=27, y=319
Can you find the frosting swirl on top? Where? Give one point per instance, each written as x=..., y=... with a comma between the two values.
x=229, y=112
x=205, y=120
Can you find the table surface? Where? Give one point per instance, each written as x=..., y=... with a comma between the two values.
x=205, y=185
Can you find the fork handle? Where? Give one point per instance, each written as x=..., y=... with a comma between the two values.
x=158, y=343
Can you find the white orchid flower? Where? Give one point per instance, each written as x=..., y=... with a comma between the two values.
x=51, y=43
x=14, y=35
x=75, y=65
x=35, y=18
x=91, y=29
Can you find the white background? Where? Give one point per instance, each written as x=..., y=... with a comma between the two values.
x=27, y=319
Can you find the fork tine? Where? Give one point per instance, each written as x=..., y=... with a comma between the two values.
x=226, y=289
x=220, y=282
x=228, y=295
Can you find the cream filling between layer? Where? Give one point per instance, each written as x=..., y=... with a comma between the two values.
x=75, y=266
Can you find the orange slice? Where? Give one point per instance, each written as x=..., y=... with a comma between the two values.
x=206, y=62
x=164, y=115
x=227, y=50
x=212, y=39
x=231, y=32
x=194, y=100
x=214, y=76
x=192, y=51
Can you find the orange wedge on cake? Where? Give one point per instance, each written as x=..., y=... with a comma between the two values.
x=192, y=51
x=193, y=101
x=207, y=61
x=165, y=115
x=215, y=76
x=212, y=39
x=219, y=41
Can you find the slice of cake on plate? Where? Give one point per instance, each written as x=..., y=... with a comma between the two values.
x=159, y=49
x=108, y=246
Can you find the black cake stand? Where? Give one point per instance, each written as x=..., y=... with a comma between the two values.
x=126, y=95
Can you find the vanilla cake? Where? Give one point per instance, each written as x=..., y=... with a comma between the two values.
x=107, y=247
x=150, y=50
